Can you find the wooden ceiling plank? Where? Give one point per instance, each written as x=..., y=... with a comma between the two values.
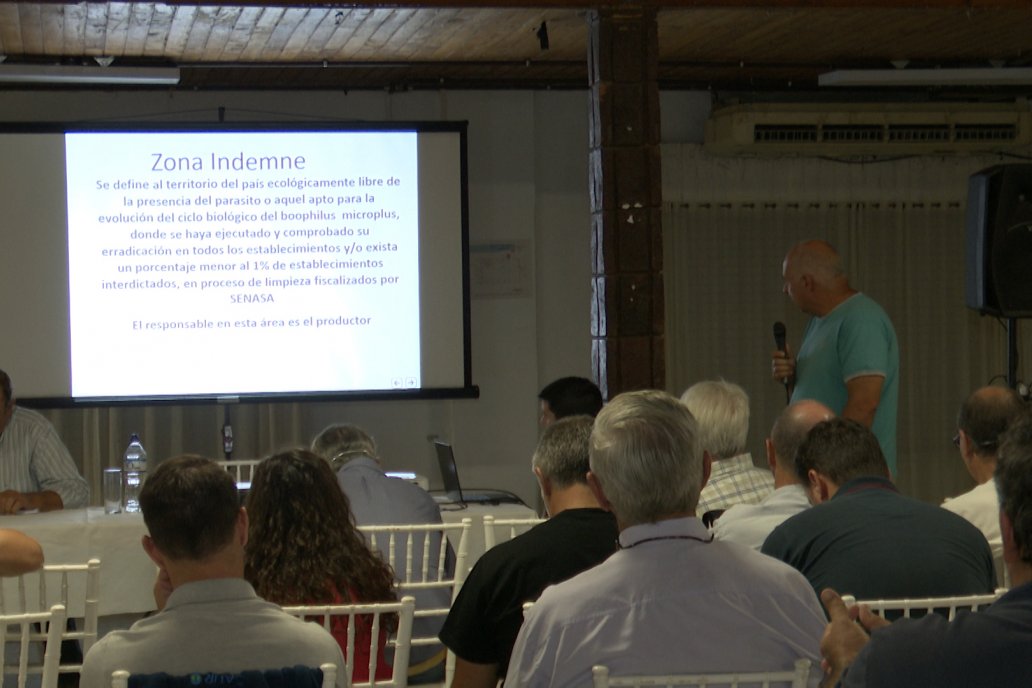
x=116, y=31
x=276, y=41
x=52, y=20
x=139, y=28
x=267, y=21
x=96, y=29
x=31, y=29
x=10, y=29
x=179, y=31
x=345, y=22
x=240, y=35
x=159, y=30
x=356, y=45
x=391, y=30
x=200, y=29
x=74, y=30
x=223, y=22
x=303, y=44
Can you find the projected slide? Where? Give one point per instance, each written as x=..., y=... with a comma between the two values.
x=223, y=263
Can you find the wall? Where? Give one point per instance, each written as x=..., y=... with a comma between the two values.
x=528, y=184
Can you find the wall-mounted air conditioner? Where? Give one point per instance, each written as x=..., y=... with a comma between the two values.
x=868, y=129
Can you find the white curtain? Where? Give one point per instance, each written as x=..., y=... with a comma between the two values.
x=900, y=227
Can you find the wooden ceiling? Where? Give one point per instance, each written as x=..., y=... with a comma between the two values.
x=723, y=45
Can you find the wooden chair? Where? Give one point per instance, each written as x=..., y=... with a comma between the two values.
x=60, y=584
x=120, y=678
x=948, y=606
x=21, y=629
x=419, y=555
x=515, y=527
x=797, y=677
x=400, y=640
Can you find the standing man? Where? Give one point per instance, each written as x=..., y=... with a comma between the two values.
x=36, y=470
x=849, y=358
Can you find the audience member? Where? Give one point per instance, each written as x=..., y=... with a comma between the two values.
x=303, y=548
x=568, y=396
x=750, y=524
x=863, y=537
x=634, y=611
x=36, y=470
x=983, y=418
x=486, y=617
x=849, y=357
x=380, y=500
x=985, y=648
x=209, y=618
x=721, y=410
x=18, y=553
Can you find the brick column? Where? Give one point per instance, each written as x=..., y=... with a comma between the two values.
x=627, y=326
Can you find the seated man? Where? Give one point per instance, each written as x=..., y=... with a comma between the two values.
x=721, y=410
x=750, y=524
x=635, y=611
x=379, y=500
x=985, y=648
x=568, y=396
x=36, y=470
x=209, y=618
x=983, y=418
x=485, y=618
x=866, y=539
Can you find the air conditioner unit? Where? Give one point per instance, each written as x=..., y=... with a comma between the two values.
x=868, y=129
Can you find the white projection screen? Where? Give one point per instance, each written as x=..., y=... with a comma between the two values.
x=188, y=262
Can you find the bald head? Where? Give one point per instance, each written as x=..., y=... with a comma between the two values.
x=814, y=277
x=788, y=433
x=985, y=415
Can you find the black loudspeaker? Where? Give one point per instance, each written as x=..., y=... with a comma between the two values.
x=999, y=241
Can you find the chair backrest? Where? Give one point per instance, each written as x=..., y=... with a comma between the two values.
x=242, y=469
x=400, y=640
x=502, y=529
x=421, y=564
x=796, y=677
x=76, y=587
x=120, y=678
x=947, y=606
x=20, y=629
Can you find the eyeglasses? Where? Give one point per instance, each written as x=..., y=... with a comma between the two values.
x=987, y=444
x=956, y=440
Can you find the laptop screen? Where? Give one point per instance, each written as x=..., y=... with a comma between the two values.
x=449, y=471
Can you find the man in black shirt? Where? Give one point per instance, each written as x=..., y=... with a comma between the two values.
x=486, y=616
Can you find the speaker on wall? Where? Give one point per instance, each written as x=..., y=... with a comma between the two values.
x=998, y=276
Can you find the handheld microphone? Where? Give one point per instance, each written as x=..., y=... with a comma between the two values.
x=779, y=336
x=227, y=434
x=779, y=343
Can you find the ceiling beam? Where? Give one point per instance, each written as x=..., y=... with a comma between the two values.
x=662, y=4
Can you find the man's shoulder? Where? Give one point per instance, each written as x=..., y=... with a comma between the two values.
x=30, y=421
x=578, y=529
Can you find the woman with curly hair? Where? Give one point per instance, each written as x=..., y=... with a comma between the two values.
x=303, y=548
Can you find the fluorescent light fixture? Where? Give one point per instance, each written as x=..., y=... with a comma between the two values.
x=988, y=76
x=71, y=74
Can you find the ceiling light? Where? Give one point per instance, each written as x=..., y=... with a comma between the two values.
x=1013, y=76
x=71, y=74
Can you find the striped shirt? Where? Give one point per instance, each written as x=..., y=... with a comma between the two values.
x=33, y=459
x=735, y=481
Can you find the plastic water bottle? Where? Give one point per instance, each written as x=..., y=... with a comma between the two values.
x=134, y=470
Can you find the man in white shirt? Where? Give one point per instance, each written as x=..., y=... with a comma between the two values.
x=982, y=420
x=750, y=524
x=669, y=580
x=36, y=470
x=721, y=410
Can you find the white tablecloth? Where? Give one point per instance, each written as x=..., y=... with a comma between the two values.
x=74, y=536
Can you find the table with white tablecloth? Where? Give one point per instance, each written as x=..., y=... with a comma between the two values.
x=73, y=536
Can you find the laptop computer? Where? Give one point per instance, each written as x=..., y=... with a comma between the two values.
x=453, y=492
